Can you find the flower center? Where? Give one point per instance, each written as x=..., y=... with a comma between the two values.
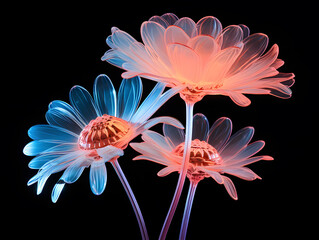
x=104, y=131
x=201, y=153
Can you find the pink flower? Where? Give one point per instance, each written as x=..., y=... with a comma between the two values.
x=204, y=57
x=214, y=152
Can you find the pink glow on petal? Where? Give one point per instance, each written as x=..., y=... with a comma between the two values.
x=205, y=46
x=187, y=24
x=230, y=187
x=209, y=26
x=174, y=34
x=231, y=36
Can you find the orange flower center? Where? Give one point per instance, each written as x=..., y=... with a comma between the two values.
x=201, y=153
x=104, y=131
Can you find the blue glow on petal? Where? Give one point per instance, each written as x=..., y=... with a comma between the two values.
x=104, y=95
x=98, y=177
x=36, y=147
x=39, y=161
x=73, y=172
x=129, y=97
x=39, y=132
x=57, y=191
x=82, y=101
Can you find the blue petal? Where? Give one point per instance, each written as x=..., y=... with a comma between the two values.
x=129, y=97
x=104, y=95
x=200, y=127
x=219, y=133
x=36, y=147
x=57, y=191
x=151, y=99
x=73, y=172
x=98, y=177
x=82, y=101
x=63, y=118
x=39, y=161
x=39, y=132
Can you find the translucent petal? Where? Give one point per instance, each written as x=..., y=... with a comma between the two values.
x=57, y=191
x=73, y=172
x=237, y=142
x=63, y=118
x=174, y=34
x=36, y=147
x=151, y=99
x=250, y=150
x=254, y=47
x=104, y=95
x=245, y=30
x=230, y=187
x=170, y=18
x=200, y=127
x=239, y=99
x=187, y=24
x=82, y=101
x=159, y=20
x=205, y=46
x=209, y=26
x=219, y=133
x=39, y=161
x=231, y=36
x=129, y=97
x=98, y=177
x=156, y=139
x=166, y=120
x=109, y=152
x=41, y=182
x=122, y=40
x=215, y=175
x=185, y=62
x=49, y=132
x=168, y=170
x=244, y=162
x=242, y=172
x=174, y=135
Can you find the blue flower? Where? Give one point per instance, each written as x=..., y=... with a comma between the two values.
x=92, y=131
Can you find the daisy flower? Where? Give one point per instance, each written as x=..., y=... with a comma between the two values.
x=92, y=131
x=203, y=57
x=214, y=153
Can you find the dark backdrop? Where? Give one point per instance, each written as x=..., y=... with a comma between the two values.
x=57, y=46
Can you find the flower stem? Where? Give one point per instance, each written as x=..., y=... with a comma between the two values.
x=182, y=175
x=132, y=198
x=187, y=210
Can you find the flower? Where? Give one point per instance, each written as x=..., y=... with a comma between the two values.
x=91, y=131
x=214, y=151
x=203, y=57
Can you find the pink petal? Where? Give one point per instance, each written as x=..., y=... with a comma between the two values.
x=171, y=18
x=242, y=172
x=159, y=20
x=174, y=34
x=231, y=36
x=236, y=143
x=245, y=162
x=217, y=68
x=245, y=30
x=174, y=135
x=220, y=132
x=205, y=46
x=215, y=175
x=239, y=99
x=185, y=62
x=254, y=47
x=200, y=127
x=157, y=139
x=187, y=24
x=209, y=26
x=247, y=152
x=230, y=187
x=168, y=170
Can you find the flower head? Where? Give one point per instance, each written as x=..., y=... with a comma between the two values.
x=91, y=131
x=203, y=57
x=213, y=153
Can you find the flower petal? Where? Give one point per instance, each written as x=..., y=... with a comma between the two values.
x=230, y=187
x=109, y=152
x=39, y=161
x=129, y=97
x=239, y=99
x=185, y=62
x=242, y=172
x=157, y=139
x=231, y=36
x=250, y=150
x=104, y=95
x=174, y=135
x=209, y=26
x=73, y=172
x=166, y=120
x=187, y=24
x=58, y=187
x=237, y=142
x=205, y=46
x=200, y=127
x=215, y=175
x=170, y=18
x=98, y=177
x=219, y=133
x=49, y=132
x=82, y=101
x=36, y=147
x=174, y=34
x=168, y=170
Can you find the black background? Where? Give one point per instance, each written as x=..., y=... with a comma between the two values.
x=56, y=46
